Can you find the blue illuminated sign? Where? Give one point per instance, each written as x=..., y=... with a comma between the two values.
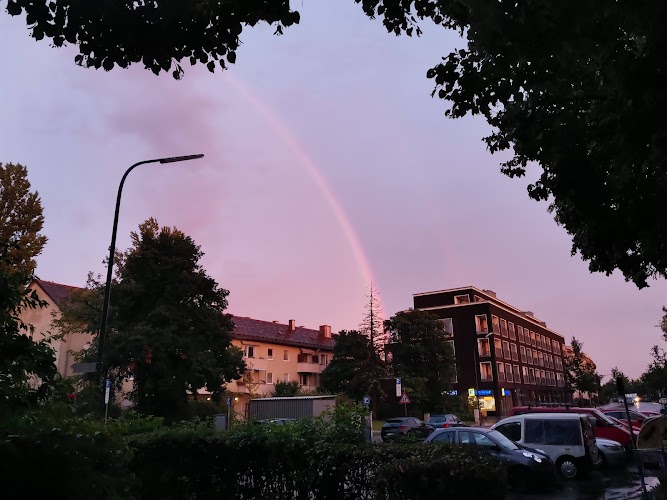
x=454, y=393
x=484, y=392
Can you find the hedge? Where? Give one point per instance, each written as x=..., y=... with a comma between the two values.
x=324, y=458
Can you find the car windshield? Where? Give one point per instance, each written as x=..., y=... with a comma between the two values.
x=503, y=441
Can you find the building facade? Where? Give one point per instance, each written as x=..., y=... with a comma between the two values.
x=504, y=355
x=272, y=351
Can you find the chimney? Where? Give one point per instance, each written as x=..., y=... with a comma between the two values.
x=325, y=331
x=490, y=293
x=529, y=314
x=292, y=325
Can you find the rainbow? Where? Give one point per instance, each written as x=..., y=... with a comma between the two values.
x=314, y=173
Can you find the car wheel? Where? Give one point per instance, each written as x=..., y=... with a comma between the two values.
x=518, y=478
x=567, y=467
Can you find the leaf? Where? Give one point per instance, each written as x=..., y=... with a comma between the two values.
x=13, y=8
x=231, y=57
x=211, y=66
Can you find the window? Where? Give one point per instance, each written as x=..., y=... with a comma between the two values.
x=269, y=353
x=269, y=378
x=462, y=299
x=529, y=354
x=449, y=325
x=517, y=374
x=286, y=355
x=477, y=298
x=553, y=432
x=303, y=379
x=544, y=342
x=485, y=371
x=515, y=354
x=451, y=344
x=324, y=359
x=285, y=377
x=508, y=373
x=512, y=332
x=511, y=431
x=506, y=350
x=501, y=371
x=531, y=375
x=481, y=324
x=540, y=358
x=522, y=351
x=503, y=327
x=495, y=323
x=524, y=371
x=249, y=351
x=444, y=437
x=550, y=360
x=498, y=347
x=483, y=347
x=532, y=339
x=520, y=331
x=482, y=440
x=559, y=380
x=548, y=342
x=543, y=377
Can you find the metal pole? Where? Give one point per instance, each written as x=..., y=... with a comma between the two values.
x=620, y=385
x=112, y=251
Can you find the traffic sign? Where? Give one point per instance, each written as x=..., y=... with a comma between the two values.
x=229, y=401
x=367, y=400
x=404, y=399
x=399, y=391
x=106, y=392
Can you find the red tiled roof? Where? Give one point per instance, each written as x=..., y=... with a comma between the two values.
x=57, y=292
x=244, y=329
x=276, y=333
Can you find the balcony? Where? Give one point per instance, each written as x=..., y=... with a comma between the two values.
x=303, y=367
x=258, y=364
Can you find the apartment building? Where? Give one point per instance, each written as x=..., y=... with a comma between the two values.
x=272, y=351
x=505, y=356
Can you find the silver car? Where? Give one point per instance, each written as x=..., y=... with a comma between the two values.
x=611, y=452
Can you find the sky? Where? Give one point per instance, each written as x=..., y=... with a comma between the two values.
x=327, y=165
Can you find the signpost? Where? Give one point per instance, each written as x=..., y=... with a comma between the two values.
x=107, y=390
x=398, y=388
x=368, y=418
x=405, y=400
x=229, y=411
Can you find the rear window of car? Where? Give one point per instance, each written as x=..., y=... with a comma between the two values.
x=553, y=432
x=395, y=421
x=437, y=418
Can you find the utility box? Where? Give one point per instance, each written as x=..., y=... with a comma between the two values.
x=295, y=408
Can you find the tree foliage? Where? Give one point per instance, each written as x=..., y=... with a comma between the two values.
x=167, y=326
x=21, y=220
x=162, y=35
x=576, y=91
x=27, y=368
x=284, y=389
x=421, y=356
x=371, y=324
x=356, y=368
x=580, y=374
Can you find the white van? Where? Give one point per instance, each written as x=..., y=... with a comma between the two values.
x=567, y=438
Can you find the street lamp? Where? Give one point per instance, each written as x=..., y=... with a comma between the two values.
x=476, y=367
x=112, y=250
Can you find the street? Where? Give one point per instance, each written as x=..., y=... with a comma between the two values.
x=602, y=485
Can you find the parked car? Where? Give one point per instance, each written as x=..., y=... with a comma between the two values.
x=567, y=438
x=399, y=427
x=445, y=421
x=604, y=426
x=636, y=418
x=612, y=453
x=526, y=468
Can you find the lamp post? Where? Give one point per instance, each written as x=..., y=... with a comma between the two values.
x=477, y=370
x=112, y=250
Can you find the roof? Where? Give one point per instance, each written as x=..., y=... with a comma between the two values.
x=244, y=328
x=277, y=333
x=57, y=292
x=292, y=398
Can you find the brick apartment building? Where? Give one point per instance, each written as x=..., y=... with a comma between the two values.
x=504, y=355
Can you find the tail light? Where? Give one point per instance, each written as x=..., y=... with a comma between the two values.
x=402, y=427
x=445, y=425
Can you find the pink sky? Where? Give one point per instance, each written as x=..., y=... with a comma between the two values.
x=331, y=122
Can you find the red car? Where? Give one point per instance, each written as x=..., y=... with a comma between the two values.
x=636, y=418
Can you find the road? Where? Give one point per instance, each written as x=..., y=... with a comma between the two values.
x=603, y=485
